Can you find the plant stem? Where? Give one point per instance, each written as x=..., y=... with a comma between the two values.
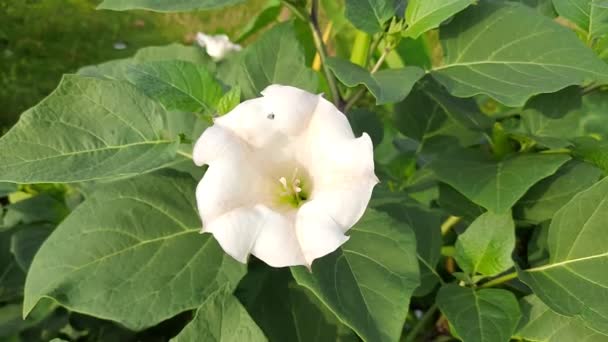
x=449, y=223
x=448, y=251
x=313, y=22
x=184, y=154
x=557, y=151
x=591, y=88
x=428, y=315
x=502, y=279
x=351, y=102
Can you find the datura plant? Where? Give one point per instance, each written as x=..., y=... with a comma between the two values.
x=387, y=170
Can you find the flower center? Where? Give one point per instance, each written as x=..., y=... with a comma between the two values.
x=295, y=190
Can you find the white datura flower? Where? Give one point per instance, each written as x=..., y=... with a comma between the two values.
x=286, y=179
x=217, y=46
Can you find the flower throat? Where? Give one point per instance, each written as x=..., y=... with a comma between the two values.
x=295, y=190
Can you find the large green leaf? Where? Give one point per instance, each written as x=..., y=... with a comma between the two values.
x=285, y=311
x=592, y=151
x=7, y=188
x=370, y=15
x=26, y=240
x=367, y=283
x=572, y=283
x=486, y=246
x=539, y=323
x=589, y=15
x=40, y=208
x=489, y=315
x=510, y=52
x=276, y=57
x=221, y=318
x=495, y=185
x=424, y=15
x=463, y=111
x=140, y=239
x=87, y=129
x=544, y=199
x=426, y=224
x=165, y=5
x=387, y=86
x=457, y=204
x=177, y=85
x=12, y=276
x=422, y=119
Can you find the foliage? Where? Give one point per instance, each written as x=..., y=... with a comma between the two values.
x=489, y=124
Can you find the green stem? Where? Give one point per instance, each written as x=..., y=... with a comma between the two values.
x=448, y=224
x=313, y=22
x=360, y=49
x=557, y=151
x=424, y=320
x=500, y=280
x=448, y=251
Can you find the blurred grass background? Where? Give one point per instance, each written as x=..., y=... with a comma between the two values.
x=42, y=39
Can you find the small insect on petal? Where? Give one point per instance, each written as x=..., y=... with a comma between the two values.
x=271, y=116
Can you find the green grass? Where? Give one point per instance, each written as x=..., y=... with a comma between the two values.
x=42, y=39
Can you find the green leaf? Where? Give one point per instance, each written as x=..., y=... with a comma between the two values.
x=275, y=58
x=486, y=246
x=463, y=111
x=367, y=283
x=589, y=15
x=166, y=5
x=510, y=53
x=592, y=151
x=387, y=86
x=230, y=100
x=543, y=200
x=284, y=311
x=424, y=15
x=40, y=208
x=7, y=188
x=364, y=121
x=571, y=283
x=551, y=119
x=539, y=323
x=26, y=241
x=221, y=318
x=495, y=185
x=489, y=315
x=370, y=15
x=177, y=85
x=87, y=129
x=424, y=120
x=12, y=276
x=268, y=15
x=426, y=224
x=457, y=204
x=140, y=238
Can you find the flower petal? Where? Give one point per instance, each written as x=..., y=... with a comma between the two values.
x=268, y=235
x=229, y=183
x=342, y=162
x=277, y=244
x=318, y=233
x=346, y=204
x=216, y=142
x=236, y=231
x=291, y=108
